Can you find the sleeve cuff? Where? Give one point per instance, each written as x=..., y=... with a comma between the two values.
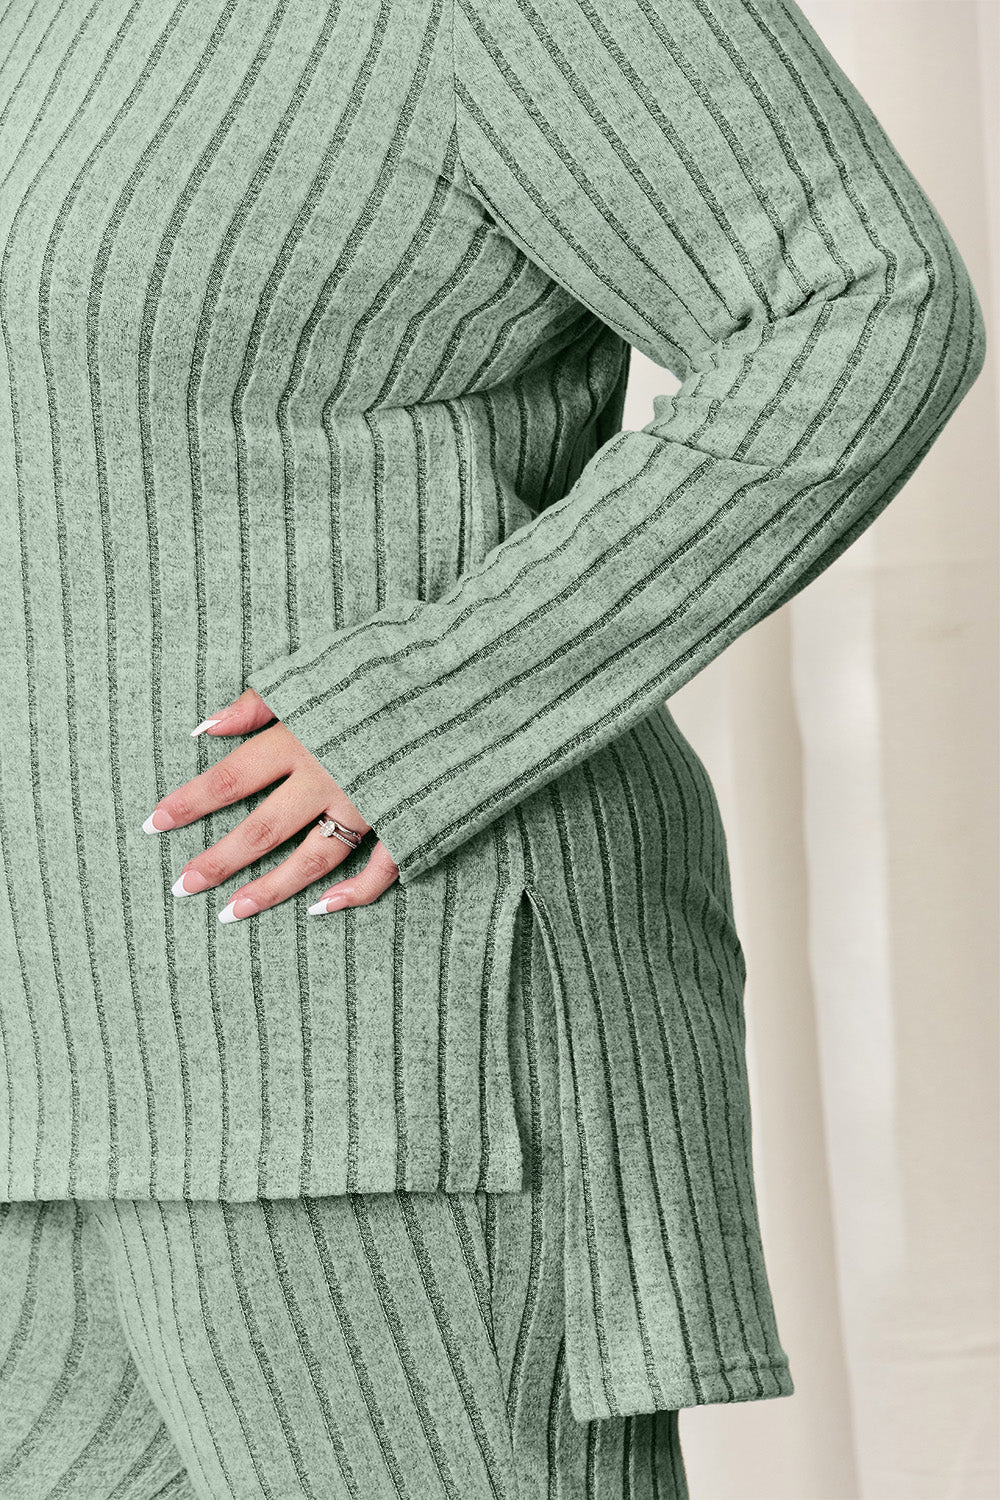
x=347, y=697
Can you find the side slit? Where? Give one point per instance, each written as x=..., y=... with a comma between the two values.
x=583, y=1303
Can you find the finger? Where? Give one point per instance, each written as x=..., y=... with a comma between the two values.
x=313, y=860
x=297, y=802
x=250, y=767
x=247, y=712
x=377, y=876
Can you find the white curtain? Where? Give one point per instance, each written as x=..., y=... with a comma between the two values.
x=852, y=740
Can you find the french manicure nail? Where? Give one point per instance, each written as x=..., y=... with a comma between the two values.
x=329, y=903
x=151, y=824
x=248, y=908
x=195, y=882
x=205, y=724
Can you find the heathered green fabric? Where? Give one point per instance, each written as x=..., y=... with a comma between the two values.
x=317, y=325
x=371, y=1346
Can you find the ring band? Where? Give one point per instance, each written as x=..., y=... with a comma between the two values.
x=330, y=828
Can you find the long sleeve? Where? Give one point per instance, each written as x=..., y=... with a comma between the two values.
x=704, y=178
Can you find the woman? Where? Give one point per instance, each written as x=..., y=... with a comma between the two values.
x=317, y=326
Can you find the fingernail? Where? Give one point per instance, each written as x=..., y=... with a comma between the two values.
x=189, y=882
x=240, y=906
x=158, y=821
x=205, y=724
x=330, y=903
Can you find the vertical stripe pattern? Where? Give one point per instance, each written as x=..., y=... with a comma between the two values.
x=705, y=180
x=230, y=409
x=669, y=1303
x=314, y=333
x=77, y=1418
x=406, y=1345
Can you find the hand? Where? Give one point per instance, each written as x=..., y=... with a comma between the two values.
x=306, y=792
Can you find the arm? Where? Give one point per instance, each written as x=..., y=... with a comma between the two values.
x=702, y=176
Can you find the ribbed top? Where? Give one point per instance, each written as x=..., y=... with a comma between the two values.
x=316, y=325
x=705, y=179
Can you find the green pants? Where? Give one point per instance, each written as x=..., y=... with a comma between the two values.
x=386, y=1344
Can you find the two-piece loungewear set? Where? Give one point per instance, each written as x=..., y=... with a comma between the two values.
x=316, y=331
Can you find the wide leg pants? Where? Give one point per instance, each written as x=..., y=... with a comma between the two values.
x=389, y=1344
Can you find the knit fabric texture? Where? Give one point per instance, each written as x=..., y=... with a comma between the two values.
x=364, y=1346
x=316, y=326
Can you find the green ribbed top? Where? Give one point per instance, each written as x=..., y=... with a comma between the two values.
x=316, y=327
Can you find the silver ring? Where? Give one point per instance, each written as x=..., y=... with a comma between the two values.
x=330, y=828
